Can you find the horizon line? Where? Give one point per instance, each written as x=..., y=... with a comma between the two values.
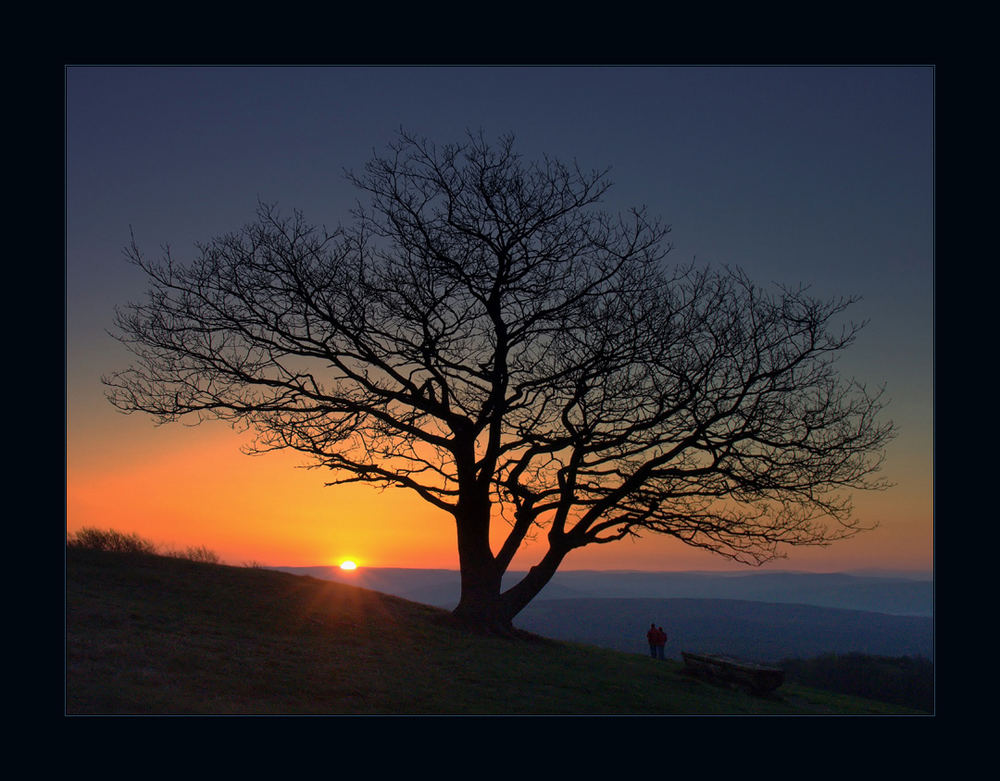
x=362, y=567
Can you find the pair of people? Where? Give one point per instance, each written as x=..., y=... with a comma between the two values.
x=657, y=641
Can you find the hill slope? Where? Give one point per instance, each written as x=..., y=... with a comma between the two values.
x=149, y=634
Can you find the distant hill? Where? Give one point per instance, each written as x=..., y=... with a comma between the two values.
x=896, y=595
x=150, y=634
x=760, y=631
x=880, y=594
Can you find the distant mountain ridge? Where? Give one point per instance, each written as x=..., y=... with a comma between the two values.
x=902, y=595
x=758, y=631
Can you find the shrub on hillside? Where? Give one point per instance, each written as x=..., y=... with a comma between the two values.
x=114, y=541
x=199, y=553
x=902, y=680
x=110, y=540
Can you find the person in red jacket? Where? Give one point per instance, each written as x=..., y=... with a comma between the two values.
x=661, y=642
x=653, y=636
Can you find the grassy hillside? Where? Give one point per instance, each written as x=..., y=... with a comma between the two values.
x=148, y=634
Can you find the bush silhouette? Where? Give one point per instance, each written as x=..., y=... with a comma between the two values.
x=115, y=541
x=110, y=540
x=198, y=553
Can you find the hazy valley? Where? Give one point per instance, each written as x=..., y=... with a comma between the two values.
x=761, y=616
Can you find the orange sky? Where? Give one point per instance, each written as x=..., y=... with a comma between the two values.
x=813, y=175
x=184, y=486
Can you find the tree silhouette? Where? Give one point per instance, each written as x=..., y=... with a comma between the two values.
x=482, y=335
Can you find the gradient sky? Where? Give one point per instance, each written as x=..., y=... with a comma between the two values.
x=817, y=175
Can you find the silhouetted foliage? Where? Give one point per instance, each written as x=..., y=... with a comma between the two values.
x=900, y=680
x=198, y=553
x=110, y=540
x=482, y=335
x=115, y=541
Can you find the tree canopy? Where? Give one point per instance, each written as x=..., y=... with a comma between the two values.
x=482, y=334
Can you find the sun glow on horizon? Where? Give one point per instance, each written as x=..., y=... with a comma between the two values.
x=348, y=564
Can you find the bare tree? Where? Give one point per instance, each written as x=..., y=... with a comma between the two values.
x=485, y=337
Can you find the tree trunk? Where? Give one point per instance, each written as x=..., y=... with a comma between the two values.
x=482, y=605
x=479, y=605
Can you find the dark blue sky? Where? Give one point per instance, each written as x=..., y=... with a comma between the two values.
x=819, y=175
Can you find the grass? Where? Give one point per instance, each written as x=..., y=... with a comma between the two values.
x=151, y=634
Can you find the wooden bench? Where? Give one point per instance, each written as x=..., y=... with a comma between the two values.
x=757, y=678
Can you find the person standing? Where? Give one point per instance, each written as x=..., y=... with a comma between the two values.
x=653, y=637
x=661, y=642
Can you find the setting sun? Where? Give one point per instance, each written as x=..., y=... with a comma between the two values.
x=348, y=565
